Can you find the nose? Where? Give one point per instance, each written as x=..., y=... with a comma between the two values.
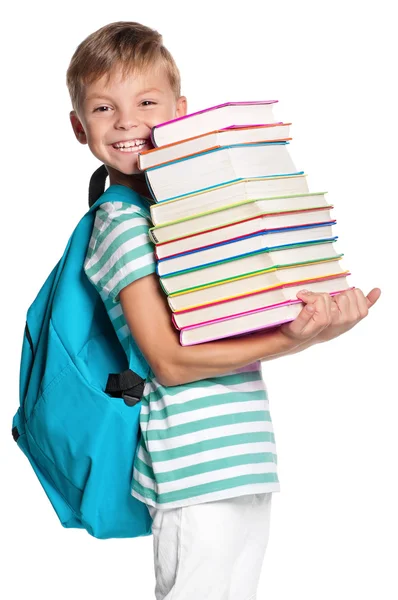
x=126, y=120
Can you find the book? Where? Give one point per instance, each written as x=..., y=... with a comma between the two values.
x=240, y=227
x=214, y=139
x=243, y=265
x=242, y=324
x=199, y=171
x=257, y=301
x=252, y=283
x=236, y=229
x=256, y=242
x=226, y=195
x=213, y=118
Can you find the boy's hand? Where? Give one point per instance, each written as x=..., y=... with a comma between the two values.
x=312, y=320
x=347, y=309
x=325, y=317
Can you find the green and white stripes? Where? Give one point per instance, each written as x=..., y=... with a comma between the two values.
x=202, y=441
x=121, y=252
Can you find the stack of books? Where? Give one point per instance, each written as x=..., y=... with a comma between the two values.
x=236, y=230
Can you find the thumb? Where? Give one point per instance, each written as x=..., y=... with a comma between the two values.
x=307, y=297
x=298, y=326
x=373, y=296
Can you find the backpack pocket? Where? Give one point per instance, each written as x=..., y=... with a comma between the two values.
x=85, y=441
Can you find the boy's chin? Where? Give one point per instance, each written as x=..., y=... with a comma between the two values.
x=132, y=171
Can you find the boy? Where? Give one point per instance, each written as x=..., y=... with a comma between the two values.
x=206, y=463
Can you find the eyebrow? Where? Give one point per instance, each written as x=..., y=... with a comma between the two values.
x=99, y=96
x=150, y=90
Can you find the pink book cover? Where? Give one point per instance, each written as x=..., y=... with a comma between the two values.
x=276, y=324
x=199, y=112
x=253, y=126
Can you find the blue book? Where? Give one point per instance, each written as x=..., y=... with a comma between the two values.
x=263, y=241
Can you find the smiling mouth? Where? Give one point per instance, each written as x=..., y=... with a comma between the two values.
x=130, y=146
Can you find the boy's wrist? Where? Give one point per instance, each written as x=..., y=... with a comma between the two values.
x=281, y=344
x=287, y=342
x=298, y=346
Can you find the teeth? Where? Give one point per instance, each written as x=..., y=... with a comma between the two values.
x=130, y=144
x=133, y=149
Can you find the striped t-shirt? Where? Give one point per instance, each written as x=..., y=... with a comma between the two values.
x=201, y=441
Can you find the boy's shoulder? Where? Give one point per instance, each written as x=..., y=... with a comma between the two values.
x=118, y=199
x=117, y=221
x=114, y=214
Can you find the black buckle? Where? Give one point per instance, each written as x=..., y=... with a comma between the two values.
x=127, y=385
x=15, y=433
x=130, y=400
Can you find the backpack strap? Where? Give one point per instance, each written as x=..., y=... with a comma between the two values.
x=97, y=185
x=128, y=384
x=97, y=195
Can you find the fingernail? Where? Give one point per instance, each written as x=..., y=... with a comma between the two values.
x=303, y=292
x=310, y=307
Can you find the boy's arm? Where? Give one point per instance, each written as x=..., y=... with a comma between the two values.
x=148, y=317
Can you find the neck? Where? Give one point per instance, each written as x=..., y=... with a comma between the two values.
x=136, y=182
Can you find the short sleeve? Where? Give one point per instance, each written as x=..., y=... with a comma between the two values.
x=120, y=250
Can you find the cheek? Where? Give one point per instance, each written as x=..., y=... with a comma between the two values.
x=162, y=115
x=95, y=132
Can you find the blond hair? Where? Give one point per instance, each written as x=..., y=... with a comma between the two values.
x=131, y=46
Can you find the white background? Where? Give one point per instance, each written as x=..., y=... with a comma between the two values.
x=334, y=407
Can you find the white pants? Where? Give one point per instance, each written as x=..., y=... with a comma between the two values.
x=211, y=551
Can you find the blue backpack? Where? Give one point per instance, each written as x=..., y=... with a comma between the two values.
x=78, y=419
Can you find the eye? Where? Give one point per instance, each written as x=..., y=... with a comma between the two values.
x=147, y=102
x=99, y=109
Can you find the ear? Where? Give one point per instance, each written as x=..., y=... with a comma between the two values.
x=77, y=127
x=181, y=107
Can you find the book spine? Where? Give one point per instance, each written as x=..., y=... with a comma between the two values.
x=149, y=186
x=152, y=236
x=175, y=322
x=170, y=303
x=153, y=136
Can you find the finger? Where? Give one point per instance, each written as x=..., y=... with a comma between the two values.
x=328, y=304
x=300, y=323
x=322, y=314
x=362, y=303
x=335, y=313
x=353, y=309
x=306, y=296
x=311, y=298
x=343, y=305
x=373, y=296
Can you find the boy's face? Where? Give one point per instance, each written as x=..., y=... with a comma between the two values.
x=115, y=120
